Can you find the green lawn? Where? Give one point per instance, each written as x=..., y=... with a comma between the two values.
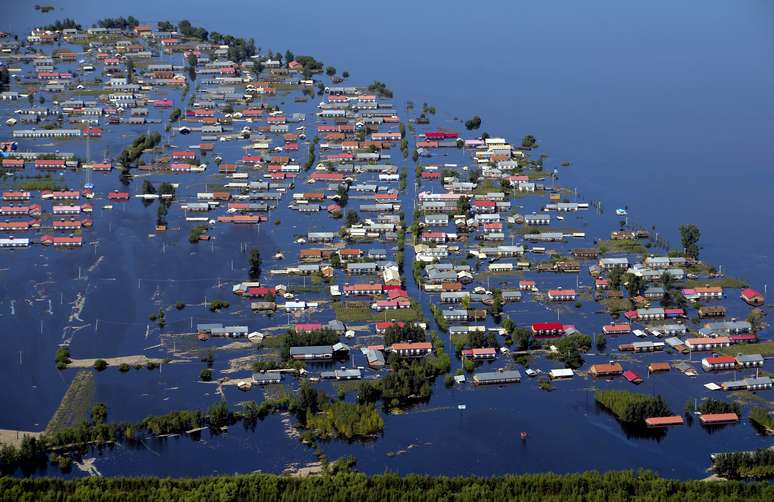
x=763, y=348
x=362, y=312
x=622, y=246
x=723, y=282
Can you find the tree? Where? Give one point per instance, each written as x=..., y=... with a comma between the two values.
x=755, y=318
x=99, y=413
x=473, y=123
x=352, y=218
x=689, y=236
x=100, y=364
x=330, y=71
x=528, y=141
x=254, y=262
x=497, y=304
x=615, y=277
x=165, y=26
x=632, y=283
x=406, y=333
x=161, y=215
x=205, y=375
x=129, y=70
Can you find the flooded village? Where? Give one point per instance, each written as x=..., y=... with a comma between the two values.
x=222, y=258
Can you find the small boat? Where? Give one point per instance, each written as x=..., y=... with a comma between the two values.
x=11, y=122
x=523, y=436
x=621, y=212
x=244, y=385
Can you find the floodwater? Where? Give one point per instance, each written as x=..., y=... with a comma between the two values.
x=664, y=108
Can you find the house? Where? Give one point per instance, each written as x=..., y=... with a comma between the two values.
x=704, y=344
x=497, y=377
x=759, y=383
x=632, y=377
x=647, y=346
x=664, y=421
x=718, y=363
x=319, y=352
x=658, y=367
x=560, y=373
x=654, y=293
x=749, y=360
x=500, y=267
x=616, y=329
x=703, y=293
x=365, y=289
x=559, y=295
x=613, y=263
x=550, y=329
x=480, y=353
x=718, y=418
x=455, y=315
x=375, y=358
x=412, y=349
x=391, y=304
x=731, y=327
x=752, y=297
x=12, y=242
x=511, y=296
x=606, y=369
x=383, y=326
x=266, y=378
x=537, y=219
x=527, y=285
x=712, y=311
x=342, y=374
x=66, y=241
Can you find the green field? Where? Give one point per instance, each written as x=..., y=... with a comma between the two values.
x=76, y=403
x=362, y=312
x=764, y=349
x=622, y=246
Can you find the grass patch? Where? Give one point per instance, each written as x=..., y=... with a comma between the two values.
x=76, y=403
x=274, y=341
x=723, y=282
x=622, y=246
x=618, y=305
x=761, y=417
x=764, y=348
x=362, y=312
x=45, y=183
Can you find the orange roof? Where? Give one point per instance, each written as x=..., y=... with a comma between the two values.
x=412, y=346
x=662, y=421
x=606, y=368
x=659, y=367
x=714, y=418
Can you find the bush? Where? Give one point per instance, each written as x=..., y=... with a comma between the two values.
x=62, y=357
x=631, y=407
x=218, y=305
x=100, y=364
x=123, y=368
x=205, y=375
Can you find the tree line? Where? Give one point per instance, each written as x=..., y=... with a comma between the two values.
x=348, y=485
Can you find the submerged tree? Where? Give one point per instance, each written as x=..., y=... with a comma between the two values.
x=254, y=262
